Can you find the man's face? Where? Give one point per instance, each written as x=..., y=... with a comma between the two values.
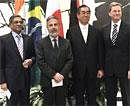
x=84, y=15
x=17, y=25
x=115, y=13
x=53, y=27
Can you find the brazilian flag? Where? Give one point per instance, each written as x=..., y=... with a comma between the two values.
x=35, y=24
x=35, y=19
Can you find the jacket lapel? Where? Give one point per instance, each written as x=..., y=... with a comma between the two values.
x=25, y=43
x=120, y=33
x=79, y=34
x=49, y=43
x=60, y=44
x=107, y=33
x=89, y=34
x=13, y=44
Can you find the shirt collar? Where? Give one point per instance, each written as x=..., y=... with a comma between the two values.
x=15, y=34
x=83, y=26
x=118, y=23
x=53, y=38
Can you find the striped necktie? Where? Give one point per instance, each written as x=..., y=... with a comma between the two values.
x=114, y=34
x=20, y=45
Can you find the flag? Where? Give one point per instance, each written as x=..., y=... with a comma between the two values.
x=20, y=8
x=43, y=5
x=53, y=8
x=77, y=3
x=73, y=12
x=18, y=5
x=36, y=23
x=36, y=20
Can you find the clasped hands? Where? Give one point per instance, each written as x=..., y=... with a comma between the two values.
x=58, y=77
x=27, y=63
x=3, y=86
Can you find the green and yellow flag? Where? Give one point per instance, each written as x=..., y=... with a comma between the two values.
x=36, y=28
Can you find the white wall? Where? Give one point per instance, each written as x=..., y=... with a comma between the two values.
x=64, y=5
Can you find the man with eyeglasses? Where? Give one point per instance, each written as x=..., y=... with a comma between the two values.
x=87, y=53
x=17, y=56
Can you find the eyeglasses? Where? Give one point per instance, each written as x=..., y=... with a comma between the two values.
x=16, y=22
x=85, y=12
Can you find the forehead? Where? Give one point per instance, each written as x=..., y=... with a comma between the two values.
x=17, y=18
x=116, y=7
x=84, y=9
x=52, y=21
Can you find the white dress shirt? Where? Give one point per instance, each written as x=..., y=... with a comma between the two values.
x=84, y=30
x=52, y=40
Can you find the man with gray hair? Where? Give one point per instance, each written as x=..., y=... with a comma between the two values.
x=54, y=58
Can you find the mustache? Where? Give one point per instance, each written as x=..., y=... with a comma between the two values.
x=53, y=30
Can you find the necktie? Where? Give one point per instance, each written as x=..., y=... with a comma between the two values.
x=114, y=34
x=20, y=45
x=55, y=44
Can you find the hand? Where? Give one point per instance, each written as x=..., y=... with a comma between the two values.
x=27, y=62
x=3, y=86
x=129, y=74
x=100, y=74
x=58, y=77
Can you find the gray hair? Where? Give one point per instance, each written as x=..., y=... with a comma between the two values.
x=52, y=17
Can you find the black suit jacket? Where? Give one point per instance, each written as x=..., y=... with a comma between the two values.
x=117, y=57
x=87, y=56
x=11, y=69
x=51, y=62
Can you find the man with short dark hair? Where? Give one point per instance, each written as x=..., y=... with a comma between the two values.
x=87, y=53
x=16, y=58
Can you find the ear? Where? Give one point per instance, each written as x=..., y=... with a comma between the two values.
x=77, y=16
x=109, y=14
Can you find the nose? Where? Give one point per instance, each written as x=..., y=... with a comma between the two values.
x=118, y=12
x=53, y=26
x=18, y=23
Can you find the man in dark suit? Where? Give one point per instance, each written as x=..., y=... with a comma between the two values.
x=54, y=57
x=86, y=49
x=17, y=56
x=116, y=35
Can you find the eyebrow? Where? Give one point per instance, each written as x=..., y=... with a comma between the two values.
x=17, y=21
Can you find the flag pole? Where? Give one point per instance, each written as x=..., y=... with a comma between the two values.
x=82, y=2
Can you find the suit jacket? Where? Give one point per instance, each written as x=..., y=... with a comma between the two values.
x=51, y=62
x=11, y=70
x=117, y=57
x=87, y=56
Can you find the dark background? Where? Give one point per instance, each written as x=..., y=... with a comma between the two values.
x=102, y=12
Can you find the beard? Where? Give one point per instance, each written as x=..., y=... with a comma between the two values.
x=54, y=32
